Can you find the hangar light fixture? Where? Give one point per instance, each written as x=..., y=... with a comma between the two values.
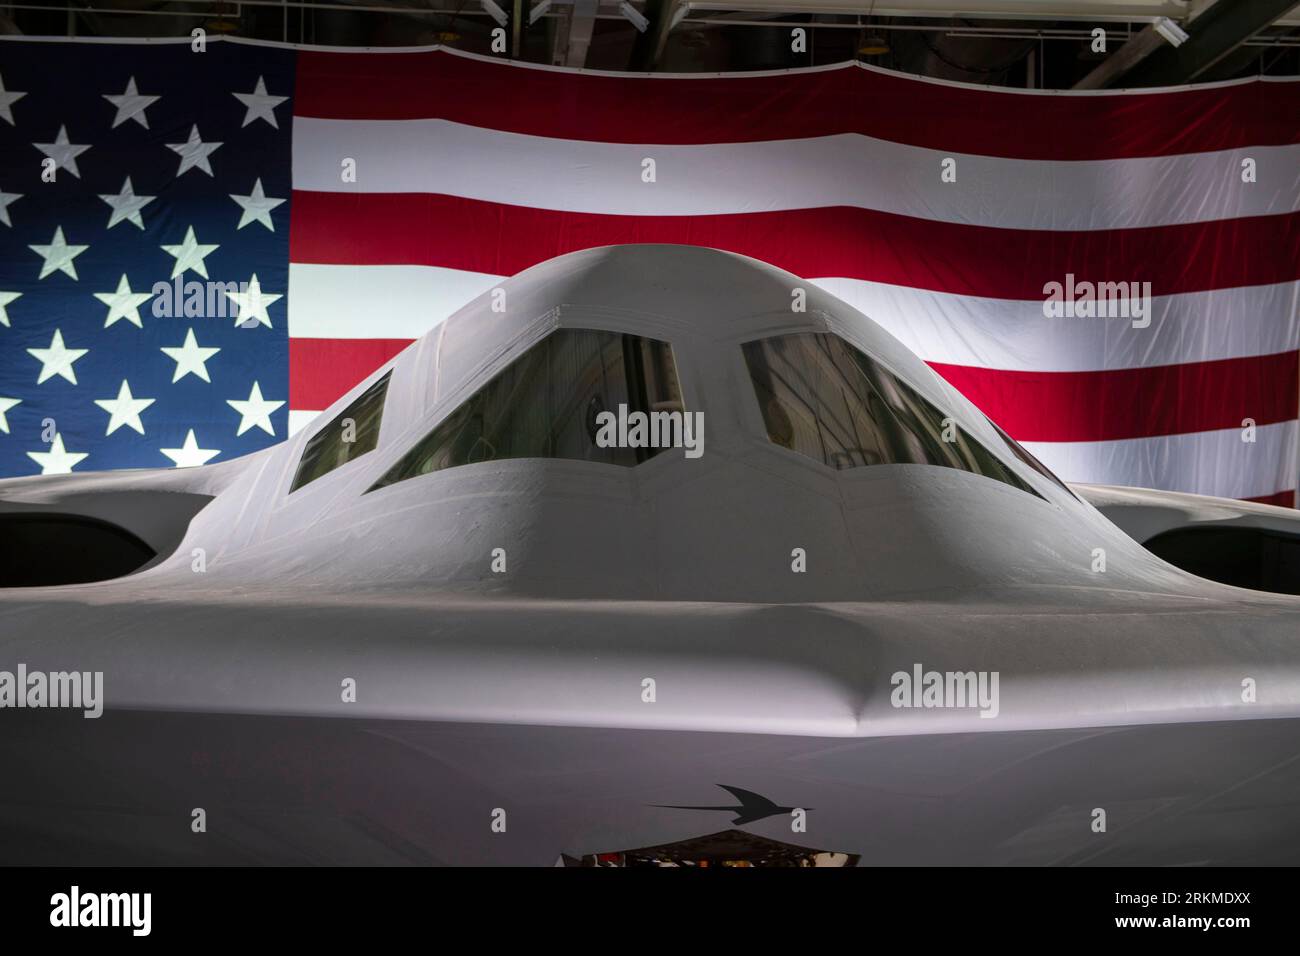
x=634, y=15
x=1171, y=31
x=873, y=46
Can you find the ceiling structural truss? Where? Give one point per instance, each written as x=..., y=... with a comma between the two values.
x=571, y=41
x=1149, y=42
x=1211, y=37
x=1182, y=40
x=1073, y=11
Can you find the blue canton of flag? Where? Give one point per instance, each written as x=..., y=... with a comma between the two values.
x=144, y=245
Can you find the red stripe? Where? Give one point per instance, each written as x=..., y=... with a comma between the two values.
x=1133, y=403
x=478, y=236
x=323, y=370
x=703, y=109
x=1279, y=498
x=1283, y=499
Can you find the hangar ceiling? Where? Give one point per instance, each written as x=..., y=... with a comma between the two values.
x=1023, y=43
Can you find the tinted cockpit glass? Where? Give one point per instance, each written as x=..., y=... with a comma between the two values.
x=352, y=433
x=824, y=399
x=545, y=404
x=1023, y=454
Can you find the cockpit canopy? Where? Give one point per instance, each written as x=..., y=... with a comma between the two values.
x=504, y=450
x=819, y=397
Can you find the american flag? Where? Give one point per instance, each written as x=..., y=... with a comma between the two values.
x=373, y=193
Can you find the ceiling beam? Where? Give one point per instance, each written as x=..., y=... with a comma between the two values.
x=648, y=49
x=572, y=37
x=1142, y=44
x=581, y=25
x=1138, y=48
x=1237, y=61
x=1212, y=36
x=1075, y=10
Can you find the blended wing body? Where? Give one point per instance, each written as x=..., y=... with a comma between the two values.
x=360, y=654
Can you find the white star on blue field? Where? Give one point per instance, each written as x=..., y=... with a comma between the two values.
x=168, y=166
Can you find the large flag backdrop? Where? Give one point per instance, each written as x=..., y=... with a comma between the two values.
x=469, y=169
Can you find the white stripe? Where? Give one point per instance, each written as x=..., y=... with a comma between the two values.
x=376, y=302
x=1204, y=463
x=1013, y=334
x=299, y=419
x=437, y=156
x=404, y=302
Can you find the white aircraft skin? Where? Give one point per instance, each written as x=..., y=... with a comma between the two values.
x=1144, y=513
x=1167, y=701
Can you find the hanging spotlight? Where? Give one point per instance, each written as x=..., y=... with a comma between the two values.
x=874, y=45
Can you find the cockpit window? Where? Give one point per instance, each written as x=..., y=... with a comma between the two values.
x=352, y=433
x=1029, y=460
x=824, y=399
x=545, y=404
